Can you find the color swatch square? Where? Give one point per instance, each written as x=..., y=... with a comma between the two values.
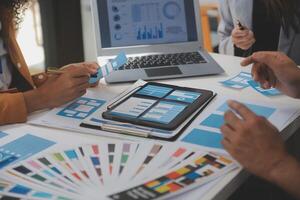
x=213, y=121
x=204, y=138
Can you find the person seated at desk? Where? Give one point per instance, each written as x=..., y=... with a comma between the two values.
x=251, y=139
x=21, y=94
x=265, y=25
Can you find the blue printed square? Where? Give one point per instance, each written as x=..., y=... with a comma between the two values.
x=238, y=82
x=213, y=121
x=259, y=110
x=19, y=189
x=204, y=138
x=81, y=108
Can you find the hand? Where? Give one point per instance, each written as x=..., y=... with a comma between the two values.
x=91, y=66
x=253, y=141
x=60, y=89
x=274, y=69
x=243, y=39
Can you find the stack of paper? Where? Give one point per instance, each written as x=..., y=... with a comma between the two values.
x=113, y=170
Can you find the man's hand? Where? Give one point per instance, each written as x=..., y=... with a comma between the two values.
x=243, y=39
x=252, y=140
x=255, y=144
x=274, y=69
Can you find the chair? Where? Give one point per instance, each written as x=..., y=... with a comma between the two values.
x=207, y=11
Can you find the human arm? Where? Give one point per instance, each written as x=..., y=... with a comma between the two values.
x=226, y=25
x=55, y=91
x=256, y=144
x=59, y=89
x=232, y=35
x=275, y=69
x=40, y=78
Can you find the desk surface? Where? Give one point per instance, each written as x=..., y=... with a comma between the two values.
x=223, y=188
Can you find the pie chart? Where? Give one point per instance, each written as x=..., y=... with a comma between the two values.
x=171, y=10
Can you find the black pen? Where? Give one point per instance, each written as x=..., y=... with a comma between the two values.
x=241, y=27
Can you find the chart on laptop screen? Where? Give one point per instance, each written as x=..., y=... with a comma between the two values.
x=140, y=22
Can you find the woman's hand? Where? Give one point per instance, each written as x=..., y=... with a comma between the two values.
x=61, y=88
x=243, y=39
x=91, y=66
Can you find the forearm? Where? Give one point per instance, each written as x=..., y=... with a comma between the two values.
x=287, y=176
x=35, y=101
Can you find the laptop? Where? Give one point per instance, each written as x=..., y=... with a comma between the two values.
x=161, y=38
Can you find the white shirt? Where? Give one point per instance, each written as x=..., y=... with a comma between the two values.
x=5, y=76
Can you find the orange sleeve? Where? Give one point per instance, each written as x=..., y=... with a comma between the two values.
x=12, y=108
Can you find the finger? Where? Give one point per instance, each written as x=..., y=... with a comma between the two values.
x=245, y=46
x=263, y=75
x=80, y=80
x=247, y=61
x=81, y=93
x=92, y=67
x=232, y=120
x=269, y=59
x=227, y=146
x=94, y=84
x=79, y=71
x=246, y=42
x=240, y=33
x=256, y=72
x=241, y=109
x=227, y=131
x=247, y=39
x=83, y=86
x=272, y=78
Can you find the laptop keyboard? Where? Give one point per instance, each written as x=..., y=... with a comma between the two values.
x=163, y=60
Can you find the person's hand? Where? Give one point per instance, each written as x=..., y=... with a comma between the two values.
x=243, y=39
x=91, y=66
x=67, y=86
x=252, y=140
x=275, y=69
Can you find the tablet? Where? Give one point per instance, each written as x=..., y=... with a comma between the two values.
x=158, y=106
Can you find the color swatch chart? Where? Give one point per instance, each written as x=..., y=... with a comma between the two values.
x=208, y=133
x=81, y=108
x=102, y=170
x=177, y=180
x=16, y=191
x=22, y=148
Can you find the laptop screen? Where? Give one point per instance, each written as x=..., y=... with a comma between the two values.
x=146, y=22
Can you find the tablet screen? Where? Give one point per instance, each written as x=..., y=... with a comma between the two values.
x=154, y=91
x=133, y=107
x=164, y=112
x=158, y=105
x=184, y=96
